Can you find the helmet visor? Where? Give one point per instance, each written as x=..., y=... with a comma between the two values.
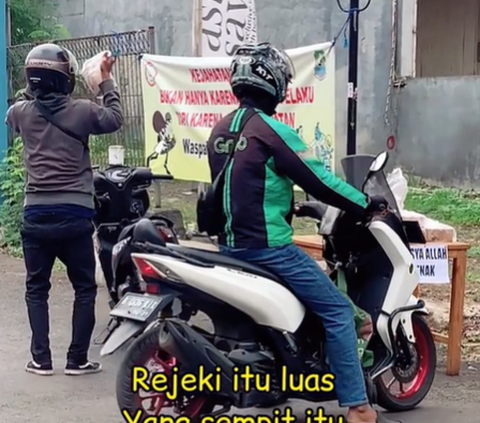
x=291, y=72
x=72, y=61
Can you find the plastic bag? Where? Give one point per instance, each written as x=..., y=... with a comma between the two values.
x=91, y=72
x=399, y=186
x=433, y=230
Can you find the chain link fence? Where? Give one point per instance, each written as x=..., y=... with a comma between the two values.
x=128, y=47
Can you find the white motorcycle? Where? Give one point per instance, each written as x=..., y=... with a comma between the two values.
x=258, y=321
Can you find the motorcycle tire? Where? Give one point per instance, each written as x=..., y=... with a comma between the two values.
x=427, y=354
x=140, y=352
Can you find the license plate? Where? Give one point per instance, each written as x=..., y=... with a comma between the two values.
x=137, y=307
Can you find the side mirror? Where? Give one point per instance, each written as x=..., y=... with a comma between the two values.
x=377, y=165
x=379, y=162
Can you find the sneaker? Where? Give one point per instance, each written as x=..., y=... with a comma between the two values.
x=39, y=369
x=89, y=367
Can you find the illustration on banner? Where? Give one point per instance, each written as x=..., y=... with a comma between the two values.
x=322, y=146
x=320, y=66
x=163, y=127
x=166, y=140
x=150, y=74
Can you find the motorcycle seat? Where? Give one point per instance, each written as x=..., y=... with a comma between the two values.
x=146, y=231
x=215, y=258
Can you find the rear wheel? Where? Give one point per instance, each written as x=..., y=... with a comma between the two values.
x=404, y=387
x=145, y=352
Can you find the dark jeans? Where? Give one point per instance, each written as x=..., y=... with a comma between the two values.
x=318, y=292
x=46, y=237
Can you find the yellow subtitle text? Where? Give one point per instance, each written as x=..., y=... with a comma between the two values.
x=244, y=380
x=277, y=416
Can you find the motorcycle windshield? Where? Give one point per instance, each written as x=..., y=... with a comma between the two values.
x=356, y=169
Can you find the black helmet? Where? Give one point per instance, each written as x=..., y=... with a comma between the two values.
x=261, y=67
x=51, y=68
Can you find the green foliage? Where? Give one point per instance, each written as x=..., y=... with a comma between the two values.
x=448, y=205
x=34, y=20
x=12, y=182
x=99, y=147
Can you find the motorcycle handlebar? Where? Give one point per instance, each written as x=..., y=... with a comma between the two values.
x=162, y=177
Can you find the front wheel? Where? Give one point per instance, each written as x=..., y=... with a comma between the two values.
x=415, y=380
x=145, y=352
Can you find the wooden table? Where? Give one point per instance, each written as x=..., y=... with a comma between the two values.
x=457, y=252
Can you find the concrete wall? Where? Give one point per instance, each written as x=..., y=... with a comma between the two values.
x=287, y=23
x=439, y=129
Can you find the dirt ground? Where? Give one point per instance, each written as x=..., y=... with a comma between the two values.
x=58, y=399
x=181, y=195
x=25, y=397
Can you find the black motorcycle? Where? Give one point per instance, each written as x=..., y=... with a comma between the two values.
x=122, y=199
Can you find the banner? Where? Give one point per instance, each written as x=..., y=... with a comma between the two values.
x=184, y=97
x=223, y=25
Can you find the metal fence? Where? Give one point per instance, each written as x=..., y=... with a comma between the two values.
x=128, y=47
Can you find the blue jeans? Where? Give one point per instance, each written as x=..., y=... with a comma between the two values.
x=317, y=292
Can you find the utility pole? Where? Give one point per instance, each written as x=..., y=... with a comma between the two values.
x=352, y=78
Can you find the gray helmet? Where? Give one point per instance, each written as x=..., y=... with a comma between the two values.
x=51, y=68
x=262, y=67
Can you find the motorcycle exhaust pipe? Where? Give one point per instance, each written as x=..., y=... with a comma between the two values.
x=197, y=355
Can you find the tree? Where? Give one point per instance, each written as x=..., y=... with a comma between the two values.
x=33, y=21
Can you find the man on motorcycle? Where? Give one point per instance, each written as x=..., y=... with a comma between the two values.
x=258, y=204
x=59, y=201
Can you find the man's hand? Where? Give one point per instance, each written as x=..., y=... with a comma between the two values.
x=313, y=209
x=106, y=66
x=376, y=203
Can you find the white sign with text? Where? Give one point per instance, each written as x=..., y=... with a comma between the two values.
x=227, y=24
x=431, y=262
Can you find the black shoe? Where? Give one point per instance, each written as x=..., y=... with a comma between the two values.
x=39, y=369
x=89, y=367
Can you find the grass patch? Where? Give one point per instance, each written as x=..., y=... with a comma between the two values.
x=451, y=206
x=474, y=252
x=473, y=276
x=174, y=196
x=189, y=213
x=301, y=226
x=454, y=207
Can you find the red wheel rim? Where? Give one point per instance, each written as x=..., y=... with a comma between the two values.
x=423, y=357
x=153, y=403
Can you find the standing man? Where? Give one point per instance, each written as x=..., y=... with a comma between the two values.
x=59, y=195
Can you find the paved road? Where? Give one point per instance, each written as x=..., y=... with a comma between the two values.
x=89, y=399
